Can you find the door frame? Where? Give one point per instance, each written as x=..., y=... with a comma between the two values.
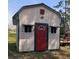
x=35, y=36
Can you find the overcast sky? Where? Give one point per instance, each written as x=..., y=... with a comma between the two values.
x=15, y=5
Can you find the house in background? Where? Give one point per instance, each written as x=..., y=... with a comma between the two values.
x=37, y=28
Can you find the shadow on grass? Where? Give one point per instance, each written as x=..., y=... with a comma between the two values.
x=13, y=53
x=12, y=47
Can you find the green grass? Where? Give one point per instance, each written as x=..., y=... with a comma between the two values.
x=11, y=37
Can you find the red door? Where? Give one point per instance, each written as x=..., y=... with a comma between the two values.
x=41, y=36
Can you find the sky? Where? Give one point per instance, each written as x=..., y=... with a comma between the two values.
x=15, y=5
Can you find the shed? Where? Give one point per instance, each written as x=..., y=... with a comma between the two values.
x=37, y=28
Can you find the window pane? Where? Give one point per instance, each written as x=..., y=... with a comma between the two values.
x=42, y=11
x=53, y=29
x=28, y=28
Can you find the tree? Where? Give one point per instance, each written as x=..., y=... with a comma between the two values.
x=64, y=9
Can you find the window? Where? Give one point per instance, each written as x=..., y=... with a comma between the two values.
x=27, y=28
x=42, y=11
x=53, y=29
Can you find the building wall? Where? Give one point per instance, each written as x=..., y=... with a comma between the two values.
x=53, y=42
x=26, y=41
x=31, y=16
x=17, y=34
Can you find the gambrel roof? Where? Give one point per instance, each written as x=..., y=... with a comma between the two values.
x=16, y=16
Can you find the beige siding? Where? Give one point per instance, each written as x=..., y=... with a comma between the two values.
x=53, y=42
x=26, y=41
x=31, y=16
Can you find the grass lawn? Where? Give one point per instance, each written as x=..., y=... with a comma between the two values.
x=11, y=37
